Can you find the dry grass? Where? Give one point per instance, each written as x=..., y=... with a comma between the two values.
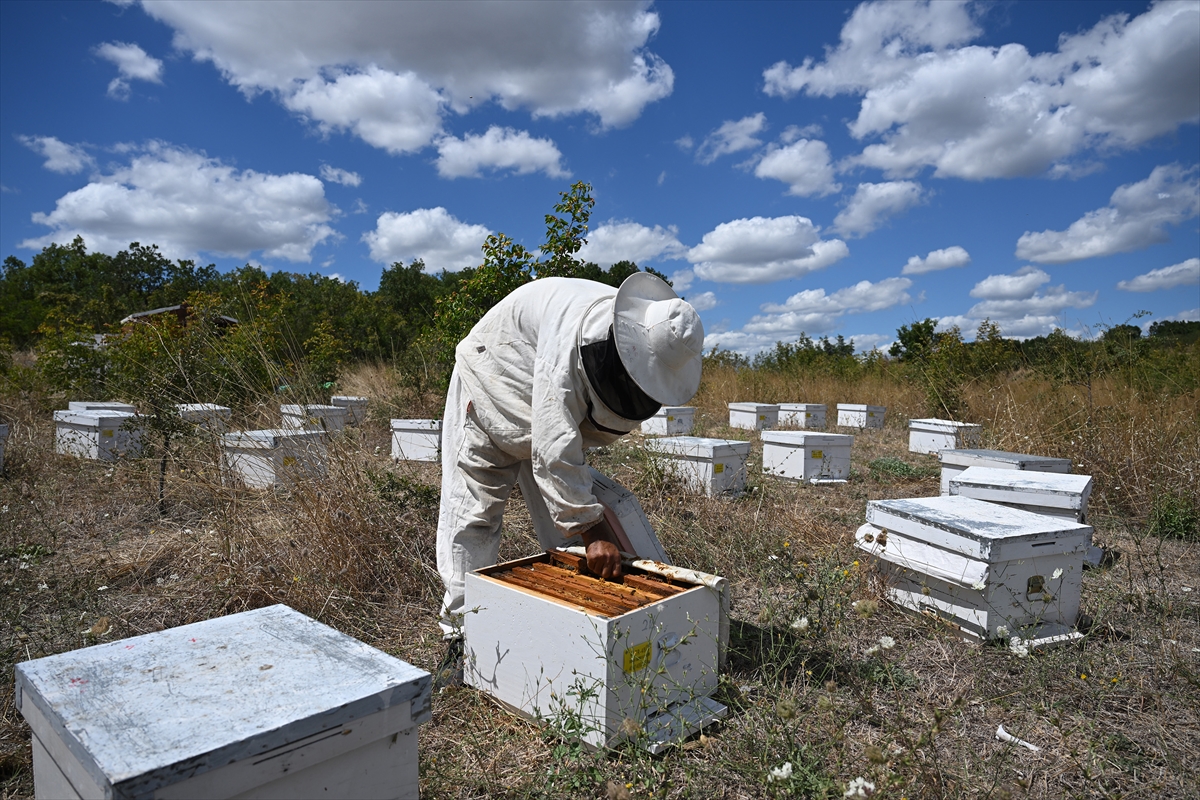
x=1116, y=714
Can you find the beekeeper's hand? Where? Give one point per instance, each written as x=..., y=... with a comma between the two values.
x=603, y=556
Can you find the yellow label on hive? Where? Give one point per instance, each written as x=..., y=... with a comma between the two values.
x=670, y=418
x=762, y=416
x=637, y=657
x=718, y=469
x=108, y=434
x=289, y=461
x=818, y=453
x=808, y=413
x=870, y=413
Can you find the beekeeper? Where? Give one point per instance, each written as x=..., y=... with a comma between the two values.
x=556, y=367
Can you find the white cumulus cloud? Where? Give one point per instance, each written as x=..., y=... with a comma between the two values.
x=60, y=156
x=731, y=137
x=498, y=149
x=933, y=99
x=874, y=203
x=946, y=258
x=344, y=177
x=630, y=241
x=1015, y=286
x=389, y=72
x=433, y=235
x=188, y=203
x=763, y=249
x=704, y=301
x=803, y=164
x=682, y=280
x=1136, y=217
x=1185, y=273
x=133, y=63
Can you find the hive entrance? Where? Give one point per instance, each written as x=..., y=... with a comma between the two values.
x=564, y=577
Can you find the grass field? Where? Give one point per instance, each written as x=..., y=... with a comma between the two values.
x=87, y=557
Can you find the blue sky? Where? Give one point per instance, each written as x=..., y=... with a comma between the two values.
x=828, y=168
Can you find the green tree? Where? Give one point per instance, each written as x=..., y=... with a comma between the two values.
x=914, y=342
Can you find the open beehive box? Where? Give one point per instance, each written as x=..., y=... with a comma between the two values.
x=638, y=657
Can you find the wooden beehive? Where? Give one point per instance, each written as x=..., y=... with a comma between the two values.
x=670, y=421
x=272, y=458
x=935, y=435
x=987, y=568
x=711, y=466
x=99, y=435
x=548, y=640
x=356, y=407
x=313, y=417
x=1056, y=494
x=811, y=457
x=417, y=439
x=955, y=461
x=208, y=416
x=753, y=416
x=266, y=703
x=852, y=415
x=802, y=415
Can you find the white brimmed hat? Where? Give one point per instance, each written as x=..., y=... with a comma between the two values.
x=659, y=337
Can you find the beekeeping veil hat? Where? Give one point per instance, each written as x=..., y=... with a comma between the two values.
x=659, y=337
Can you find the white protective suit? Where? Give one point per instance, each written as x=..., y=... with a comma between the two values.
x=521, y=408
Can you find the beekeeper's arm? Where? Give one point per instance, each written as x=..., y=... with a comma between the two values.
x=562, y=475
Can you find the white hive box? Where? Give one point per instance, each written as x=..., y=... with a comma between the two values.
x=269, y=458
x=263, y=704
x=3, y=442
x=753, y=416
x=935, y=435
x=851, y=415
x=955, y=461
x=417, y=440
x=356, y=407
x=981, y=565
x=83, y=405
x=98, y=435
x=1055, y=494
x=314, y=417
x=802, y=415
x=812, y=457
x=712, y=466
x=644, y=650
x=209, y=416
x=670, y=421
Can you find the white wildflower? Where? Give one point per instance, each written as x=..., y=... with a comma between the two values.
x=887, y=642
x=859, y=787
x=1018, y=647
x=872, y=650
x=1002, y=631
x=979, y=586
x=782, y=773
x=1056, y=574
x=800, y=624
x=43, y=587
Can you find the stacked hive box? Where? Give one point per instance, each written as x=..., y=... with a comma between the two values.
x=314, y=417
x=645, y=649
x=935, y=435
x=670, y=421
x=356, y=407
x=99, y=435
x=267, y=703
x=417, y=439
x=991, y=570
x=753, y=416
x=270, y=458
x=955, y=461
x=851, y=415
x=712, y=466
x=802, y=415
x=208, y=416
x=812, y=457
x=1054, y=494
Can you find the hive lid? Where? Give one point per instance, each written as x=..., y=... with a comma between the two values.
x=968, y=458
x=416, y=425
x=974, y=527
x=805, y=439
x=313, y=410
x=1059, y=489
x=145, y=712
x=106, y=405
x=202, y=407
x=859, y=407
x=347, y=398
x=97, y=418
x=269, y=438
x=675, y=411
x=699, y=446
x=940, y=425
x=755, y=408
x=801, y=406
